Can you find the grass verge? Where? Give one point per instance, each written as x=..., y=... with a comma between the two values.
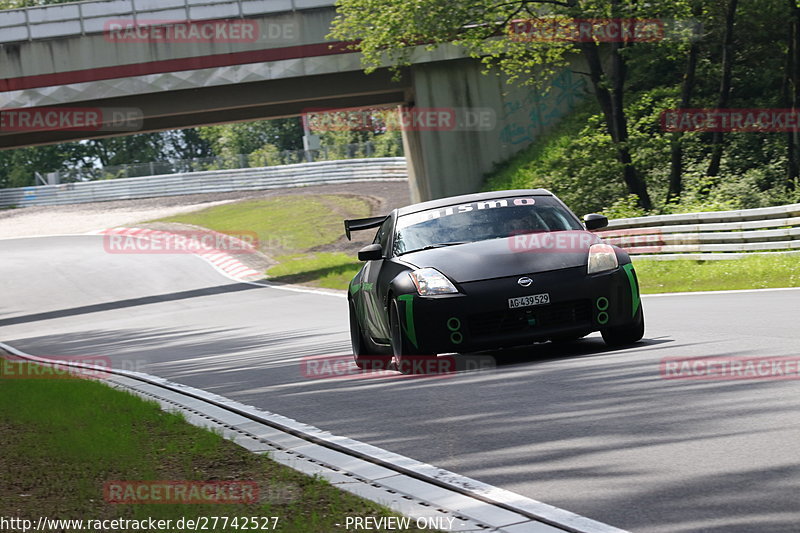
x=756, y=272
x=334, y=271
x=291, y=229
x=328, y=270
x=284, y=224
x=301, y=224
x=63, y=439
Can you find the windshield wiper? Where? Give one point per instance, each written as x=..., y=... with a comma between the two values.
x=442, y=244
x=435, y=245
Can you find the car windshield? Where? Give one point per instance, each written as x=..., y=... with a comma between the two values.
x=480, y=221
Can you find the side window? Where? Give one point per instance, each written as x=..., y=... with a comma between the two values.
x=382, y=237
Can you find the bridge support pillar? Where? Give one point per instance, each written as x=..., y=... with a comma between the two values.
x=494, y=121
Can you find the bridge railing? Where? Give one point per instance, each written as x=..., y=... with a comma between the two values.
x=709, y=235
x=216, y=181
x=80, y=18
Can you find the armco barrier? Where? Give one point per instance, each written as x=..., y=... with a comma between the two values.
x=710, y=235
x=299, y=175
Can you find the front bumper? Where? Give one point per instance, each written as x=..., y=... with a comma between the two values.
x=478, y=318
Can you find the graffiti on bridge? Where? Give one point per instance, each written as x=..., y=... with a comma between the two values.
x=530, y=114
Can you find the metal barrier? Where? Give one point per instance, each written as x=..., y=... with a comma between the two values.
x=80, y=18
x=710, y=235
x=299, y=175
x=337, y=152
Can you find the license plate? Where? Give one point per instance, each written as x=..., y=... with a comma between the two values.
x=528, y=301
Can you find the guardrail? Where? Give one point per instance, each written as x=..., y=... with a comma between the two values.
x=710, y=235
x=80, y=18
x=299, y=175
x=337, y=152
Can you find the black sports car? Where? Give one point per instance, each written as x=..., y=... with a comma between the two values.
x=485, y=271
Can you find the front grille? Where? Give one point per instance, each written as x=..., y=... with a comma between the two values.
x=530, y=318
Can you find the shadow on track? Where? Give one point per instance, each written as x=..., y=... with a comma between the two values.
x=131, y=302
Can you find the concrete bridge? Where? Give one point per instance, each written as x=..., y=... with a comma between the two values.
x=185, y=63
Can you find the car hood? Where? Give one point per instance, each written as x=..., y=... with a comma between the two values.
x=511, y=256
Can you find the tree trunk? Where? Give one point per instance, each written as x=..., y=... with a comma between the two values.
x=791, y=92
x=614, y=114
x=676, y=142
x=724, y=87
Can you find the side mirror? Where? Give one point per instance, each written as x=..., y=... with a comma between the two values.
x=370, y=252
x=595, y=221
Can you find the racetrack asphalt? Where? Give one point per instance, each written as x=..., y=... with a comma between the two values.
x=595, y=431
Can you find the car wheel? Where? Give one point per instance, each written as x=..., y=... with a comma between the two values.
x=364, y=354
x=627, y=334
x=404, y=353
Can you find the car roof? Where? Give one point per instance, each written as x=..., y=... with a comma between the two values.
x=470, y=198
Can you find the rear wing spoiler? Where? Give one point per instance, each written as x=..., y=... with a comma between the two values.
x=358, y=224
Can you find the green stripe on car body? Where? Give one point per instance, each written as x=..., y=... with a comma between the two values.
x=635, y=300
x=409, y=329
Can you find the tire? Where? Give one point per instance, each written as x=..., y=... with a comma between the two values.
x=364, y=354
x=627, y=334
x=403, y=352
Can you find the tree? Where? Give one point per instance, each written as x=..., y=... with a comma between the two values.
x=791, y=91
x=687, y=90
x=383, y=29
x=725, y=84
x=229, y=140
x=18, y=167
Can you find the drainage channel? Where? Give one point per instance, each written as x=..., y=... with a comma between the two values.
x=405, y=485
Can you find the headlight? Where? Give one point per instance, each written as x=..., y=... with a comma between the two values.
x=430, y=282
x=601, y=258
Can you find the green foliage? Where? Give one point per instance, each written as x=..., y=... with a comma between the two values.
x=17, y=167
x=576, y=162
x=625, y=207
x=230, y=140
x=384, y=29
x=389, y=144
x=266, y=156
